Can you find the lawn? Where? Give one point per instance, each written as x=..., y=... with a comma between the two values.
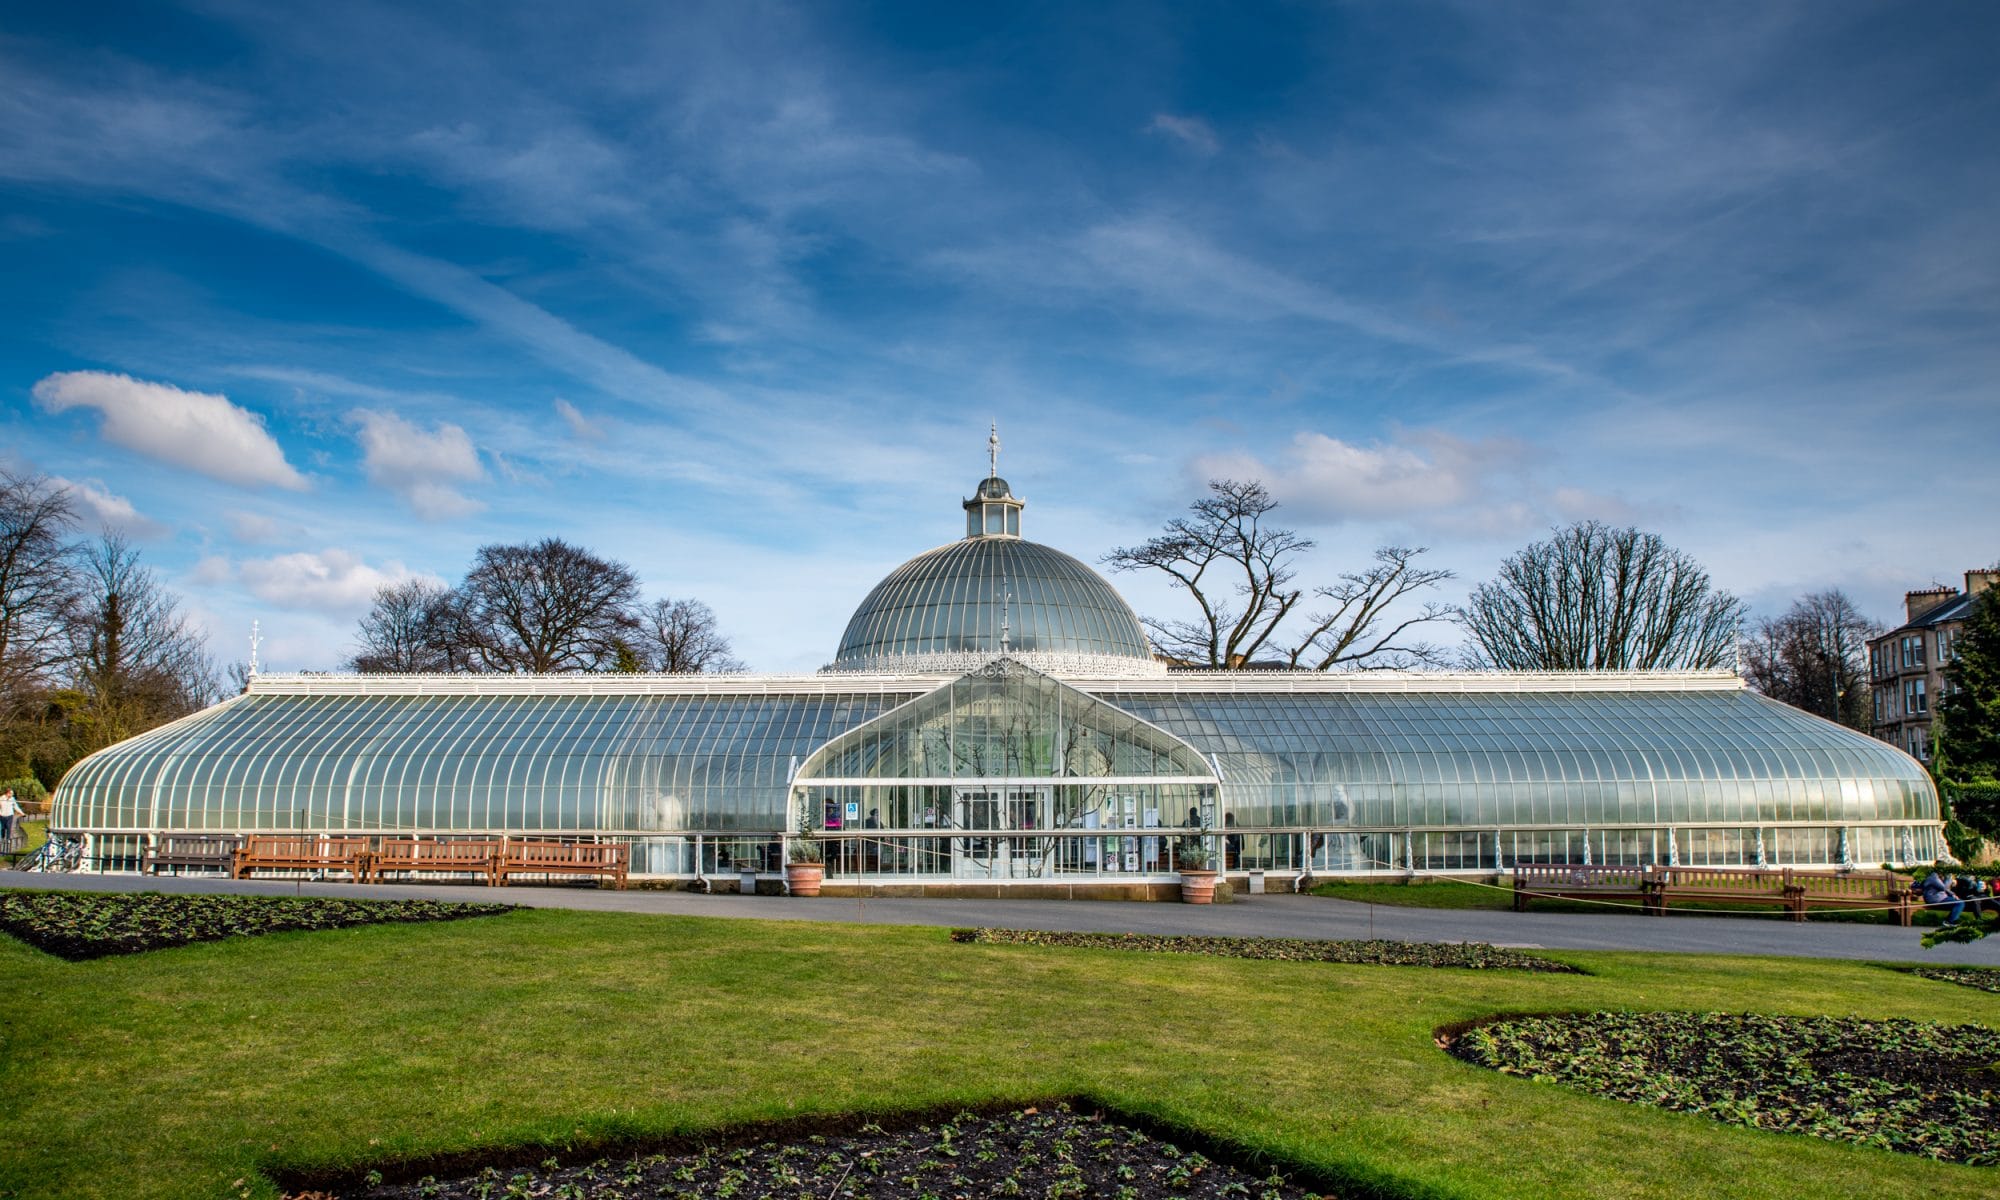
x=181, y=1072
x=36, y=831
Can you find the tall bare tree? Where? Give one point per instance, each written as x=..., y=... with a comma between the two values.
x=412, y=627
x=681, y=637
x=1594, y=597
x=135, y=656
x=547, y=606
x=39, y=583
x=1814, y=657
x=1239, y=570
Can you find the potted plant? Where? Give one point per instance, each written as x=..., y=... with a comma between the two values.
x=1192, y=856
x=805, y=863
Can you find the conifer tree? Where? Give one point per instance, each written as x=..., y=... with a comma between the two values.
x=1968, y=723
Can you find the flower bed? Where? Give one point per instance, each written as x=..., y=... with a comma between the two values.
x=1914, y=1086
x=1471, y=955
x=1053, y=1153
x=1986, y=979
x=80, y=925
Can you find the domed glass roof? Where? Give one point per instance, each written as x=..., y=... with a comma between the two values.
x=954, y=600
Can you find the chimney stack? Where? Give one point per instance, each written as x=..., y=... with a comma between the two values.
x=1916, y=604
x=1978, y=581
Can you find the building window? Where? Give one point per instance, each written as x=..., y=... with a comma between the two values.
x=1913, y=650
x=1881, y=706
x=1920, y=744
x=1914, y=700
x=1946, y=646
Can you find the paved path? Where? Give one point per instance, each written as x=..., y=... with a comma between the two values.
x=1260, y=916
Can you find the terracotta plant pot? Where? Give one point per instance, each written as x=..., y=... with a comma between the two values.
x=803, y=879
x=1198, y=887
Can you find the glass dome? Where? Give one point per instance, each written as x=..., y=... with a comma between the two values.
x=960, y=600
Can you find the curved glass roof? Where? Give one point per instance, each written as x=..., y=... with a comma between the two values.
x=953, y=600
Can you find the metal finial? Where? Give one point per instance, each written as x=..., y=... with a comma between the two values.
x=255, y=641
x=993, y=452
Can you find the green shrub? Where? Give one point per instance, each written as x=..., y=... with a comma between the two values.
x=27, y=789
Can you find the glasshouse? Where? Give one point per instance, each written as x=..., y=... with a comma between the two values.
x=995, y=715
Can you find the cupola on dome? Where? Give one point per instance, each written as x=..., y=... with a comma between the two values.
x=966, y=603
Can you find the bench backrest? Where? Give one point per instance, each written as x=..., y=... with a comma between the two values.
x=1724, y=879
x=306, y=845
x=1850, y=883
x=177, y=844
x=435, y=850
x=1577, y=875
x=592, y=854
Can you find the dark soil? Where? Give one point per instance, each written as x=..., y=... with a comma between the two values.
x=1913, y=1086
x=1051, y=1152
x=84, y=925
x=1986, y=979
x=1465, y=955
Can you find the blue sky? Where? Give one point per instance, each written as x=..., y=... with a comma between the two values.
x=309, y=298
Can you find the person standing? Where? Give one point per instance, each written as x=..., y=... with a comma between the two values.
x=10, y=818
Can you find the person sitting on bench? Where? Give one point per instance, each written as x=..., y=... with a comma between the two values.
x=1937, y=894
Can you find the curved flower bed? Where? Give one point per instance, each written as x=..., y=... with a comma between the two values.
x=1914, y=1086
x=80, y=925
x=1986, y=979
x=1052, y=1153
x=1470, y=955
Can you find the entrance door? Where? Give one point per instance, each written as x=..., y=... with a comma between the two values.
x=983, y=816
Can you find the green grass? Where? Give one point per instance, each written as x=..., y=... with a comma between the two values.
x=178, y=1072
x=37, y=831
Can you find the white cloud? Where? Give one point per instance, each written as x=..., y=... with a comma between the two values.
x=211, y=570
x=331, y=580
x=252, y=527
x=418, y=466
x=1193, y=131
x=107, y=510
x=201, y=431
x=580, y=425
x=1427, y=471
x=1482, y=487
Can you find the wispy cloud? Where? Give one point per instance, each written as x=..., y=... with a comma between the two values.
x=1192, y=132
x=104, y=509
x=201, y=431
x=579, y=425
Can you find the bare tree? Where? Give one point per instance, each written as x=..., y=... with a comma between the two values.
x=413, y=626
x=39, y=582
x=546, y=607
x=1815, y=657
x=1239, y=571
x=1358, y=629
x=134, y=653
x=1597, y=598
x=681, y=637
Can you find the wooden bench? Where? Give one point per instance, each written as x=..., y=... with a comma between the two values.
x=1578, y=881
x=607, y=860
x=1854, y=889
x=438, y=856
x=1730, y=885
x=206, y=851
x=301, y=852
